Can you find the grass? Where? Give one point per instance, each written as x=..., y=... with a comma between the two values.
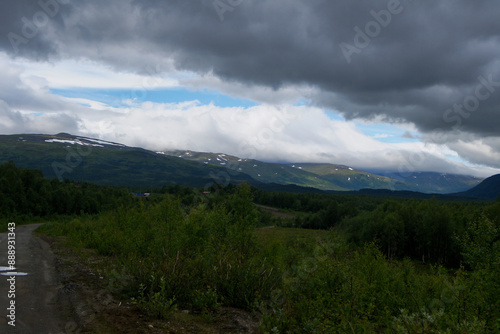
x=300, y=281
x=285, y=235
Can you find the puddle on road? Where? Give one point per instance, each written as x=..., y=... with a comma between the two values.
x=4, y=271
x=6, y=268
x=13, y=274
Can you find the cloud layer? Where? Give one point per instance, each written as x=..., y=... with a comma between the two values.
x=434, y=65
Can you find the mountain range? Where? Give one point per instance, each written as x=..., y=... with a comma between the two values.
x=66, y=156
x=332, y=177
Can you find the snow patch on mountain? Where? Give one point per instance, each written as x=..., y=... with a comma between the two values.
x=72, y=142
x=102, y=142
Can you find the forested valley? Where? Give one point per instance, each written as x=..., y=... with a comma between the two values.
x=302, y=262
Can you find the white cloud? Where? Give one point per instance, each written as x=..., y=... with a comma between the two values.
x=478, y=151
x=382, y=135
x=88, y=74
x=270, y=133
x=290, y=94
x=277, y=131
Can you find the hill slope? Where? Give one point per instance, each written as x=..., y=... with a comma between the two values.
x=84, y=159
x=262, y=171
x=488, y=189
x=107, y=163
x=333, y=177
x=319, y=176
x=431, y=182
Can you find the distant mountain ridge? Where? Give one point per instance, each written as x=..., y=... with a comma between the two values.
x=441, y=183
x=308, y=175
x=330, y=177
x=488, y=189
x=102, y=162
x=108, y=163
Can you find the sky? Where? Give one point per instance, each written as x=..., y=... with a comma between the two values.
x=387, y=85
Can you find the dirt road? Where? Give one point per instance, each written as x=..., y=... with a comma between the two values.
x=59, y=292
x=33, y=289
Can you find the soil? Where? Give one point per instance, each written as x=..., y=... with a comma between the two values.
x=66, y=291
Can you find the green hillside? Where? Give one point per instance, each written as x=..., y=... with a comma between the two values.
x=105, y=164
x=261, y=171
x=351, y=178
x=488, y=189
x=330, y=176
x=64, y=156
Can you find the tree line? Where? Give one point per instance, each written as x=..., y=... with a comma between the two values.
x=25, y=193
x=427, y=230
x=202, y=250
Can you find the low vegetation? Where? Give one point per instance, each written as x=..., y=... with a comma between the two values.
x=26, y=196
x=370, y=265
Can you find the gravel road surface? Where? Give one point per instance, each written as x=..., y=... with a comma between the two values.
x=34, y=287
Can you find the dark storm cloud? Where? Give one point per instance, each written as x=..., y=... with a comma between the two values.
x=404, y=61
x=25, y=26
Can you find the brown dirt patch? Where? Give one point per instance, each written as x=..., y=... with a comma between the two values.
x=86, y=302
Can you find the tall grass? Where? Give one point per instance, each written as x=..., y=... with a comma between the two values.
x=199, y=260
x=203, y=257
